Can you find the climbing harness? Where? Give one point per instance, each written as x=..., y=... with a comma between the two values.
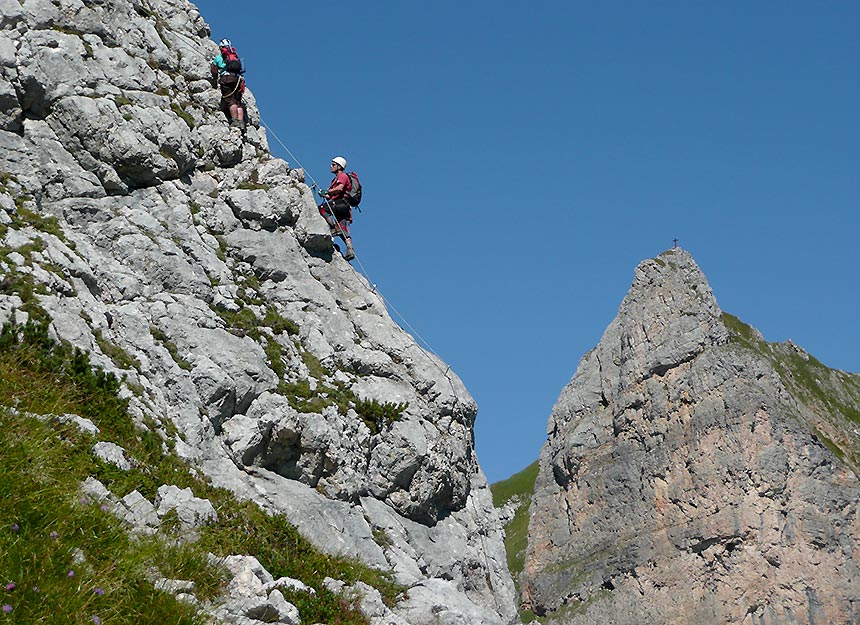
x=330, y=208
x=235, y=89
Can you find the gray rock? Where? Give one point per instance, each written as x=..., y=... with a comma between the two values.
x=289, y=583
x=10, y=111
x=369, y=600
x=174, y=586
x=138, y=512
x=253, y=596
x=439, y=601
x=248, y=567
x=11, y=13
x=286, y=611
x=192, y=511
x=86, y=426
x=91, y=487
x=682, y=481
x=113, y=454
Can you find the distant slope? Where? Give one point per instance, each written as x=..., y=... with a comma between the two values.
x=831, y=396
x=515, y=495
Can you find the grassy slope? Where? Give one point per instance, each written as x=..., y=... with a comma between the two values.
x=832, y=396
x=521, y=486
x=44, y=522
x=47, y=527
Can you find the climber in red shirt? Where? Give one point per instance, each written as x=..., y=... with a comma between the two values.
x=335, y=208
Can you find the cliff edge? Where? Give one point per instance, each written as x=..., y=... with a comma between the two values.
x=181, y=256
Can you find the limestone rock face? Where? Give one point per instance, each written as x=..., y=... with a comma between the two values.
x=683, y=480
x=180, y=254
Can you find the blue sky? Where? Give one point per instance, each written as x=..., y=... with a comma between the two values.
x=519, y=160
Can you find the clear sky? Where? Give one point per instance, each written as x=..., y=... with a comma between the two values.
x=520, y=159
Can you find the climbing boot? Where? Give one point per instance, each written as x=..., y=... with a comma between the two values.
x=350, y=253
x=236, y=123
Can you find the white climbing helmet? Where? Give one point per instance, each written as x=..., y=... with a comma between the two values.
x=340, y=161
x=225, y=43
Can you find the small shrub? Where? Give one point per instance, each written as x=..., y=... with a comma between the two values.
x=378, y=416
x=278, y=323
x=253, y=182
x=302, y=398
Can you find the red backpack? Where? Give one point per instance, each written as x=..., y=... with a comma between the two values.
x=231, y=60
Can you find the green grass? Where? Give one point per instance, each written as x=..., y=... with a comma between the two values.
x=13, y=282
x=44, y=521
x=47, y=224
x=244, y=322
x=117, y=354
x=376, y=415
x=520, y=485
x=832, y=395
x=315, y=367
x=275, y=355
x=121, y=100
x=802, y=372
x=743, y=333
x=278, y=323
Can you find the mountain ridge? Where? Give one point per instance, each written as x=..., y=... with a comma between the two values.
x=684, y=481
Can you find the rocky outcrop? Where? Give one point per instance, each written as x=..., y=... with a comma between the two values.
x=683, y=480
x=179, y=254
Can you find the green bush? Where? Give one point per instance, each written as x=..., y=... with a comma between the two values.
x=378, y=416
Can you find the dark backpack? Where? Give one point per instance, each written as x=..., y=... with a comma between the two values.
x=353, y=194
x=231, y=60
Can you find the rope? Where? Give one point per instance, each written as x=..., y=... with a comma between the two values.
x=283, y=145
x=446, y=372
